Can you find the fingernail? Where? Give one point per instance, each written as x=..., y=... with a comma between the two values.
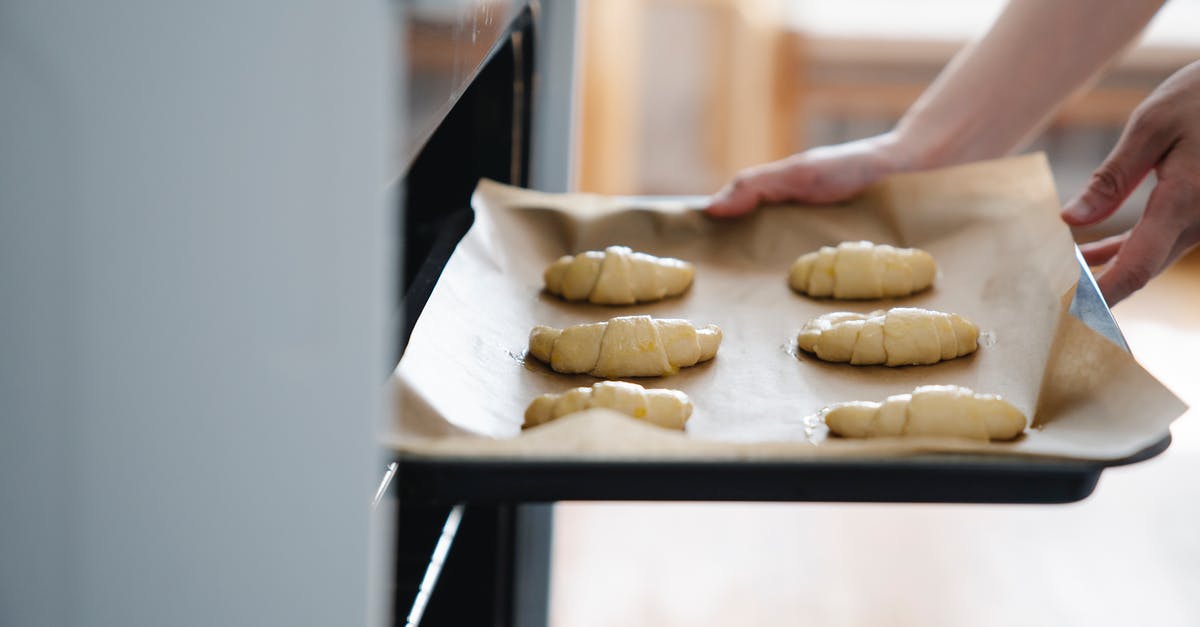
x=1078, y=211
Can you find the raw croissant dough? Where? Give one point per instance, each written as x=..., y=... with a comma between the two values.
x=898, y=337
x=628, y=346
x=856, y=270
x=665, y=408
x=617, y=276
x=941, y=410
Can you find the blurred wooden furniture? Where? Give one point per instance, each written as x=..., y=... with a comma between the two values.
x=627, y=43
x=760, y=88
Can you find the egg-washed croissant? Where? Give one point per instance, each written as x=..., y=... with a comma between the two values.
x=628, y=346
x=617, y=276
x=860, y=270
x=931, y=410
x=665, y=408
x=900, y=336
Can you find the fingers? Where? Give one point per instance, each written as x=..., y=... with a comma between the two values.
x=738, y=197
x=755, y=186
x=1140, y=147
x=1141, y=258
x=1149, y=245
x=819, y=175
x=1099, y=252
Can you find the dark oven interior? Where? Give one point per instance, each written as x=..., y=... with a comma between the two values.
x=486, y=133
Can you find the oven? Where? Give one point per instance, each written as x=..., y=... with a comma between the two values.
x=473, y=537
x=486, y=92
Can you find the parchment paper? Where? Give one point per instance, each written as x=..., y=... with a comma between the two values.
x=1005, y=259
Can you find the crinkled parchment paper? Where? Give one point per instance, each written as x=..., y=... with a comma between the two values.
x=1006, y=262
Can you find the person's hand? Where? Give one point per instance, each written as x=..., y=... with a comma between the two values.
x=1162, y=135
x=820, y=175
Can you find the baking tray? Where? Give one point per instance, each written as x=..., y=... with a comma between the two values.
x=929, y=478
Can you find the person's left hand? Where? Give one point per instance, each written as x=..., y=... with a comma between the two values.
x=1162, y=135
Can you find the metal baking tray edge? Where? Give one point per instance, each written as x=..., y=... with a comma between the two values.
x=933, y=478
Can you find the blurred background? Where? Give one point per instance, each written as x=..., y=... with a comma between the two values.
x=675, y=96
x=678, y=95
x=201, y=299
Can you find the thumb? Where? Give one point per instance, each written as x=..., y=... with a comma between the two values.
x=1136, y=153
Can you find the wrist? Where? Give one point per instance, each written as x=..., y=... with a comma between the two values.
x=894, y=154
x=914, y=148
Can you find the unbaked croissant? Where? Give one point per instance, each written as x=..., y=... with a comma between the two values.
x=617, y=276
x=628, y=346
x=665, y=408
x=936, y=410
x=900, y=336
x=856, y=270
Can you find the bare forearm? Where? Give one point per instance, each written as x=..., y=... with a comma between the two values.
x=991, y=98
x=995, y=94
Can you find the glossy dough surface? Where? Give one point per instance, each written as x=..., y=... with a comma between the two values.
x=627, y=346
x=900, y=336
x=931, y=410
x=665, y=408
x=862, y=270
x=617, y=276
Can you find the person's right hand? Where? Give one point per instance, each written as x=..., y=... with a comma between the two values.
x=820, y=175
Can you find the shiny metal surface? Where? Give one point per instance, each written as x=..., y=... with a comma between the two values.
x=434, y=570
x=1090, y=307
x=445, y=44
